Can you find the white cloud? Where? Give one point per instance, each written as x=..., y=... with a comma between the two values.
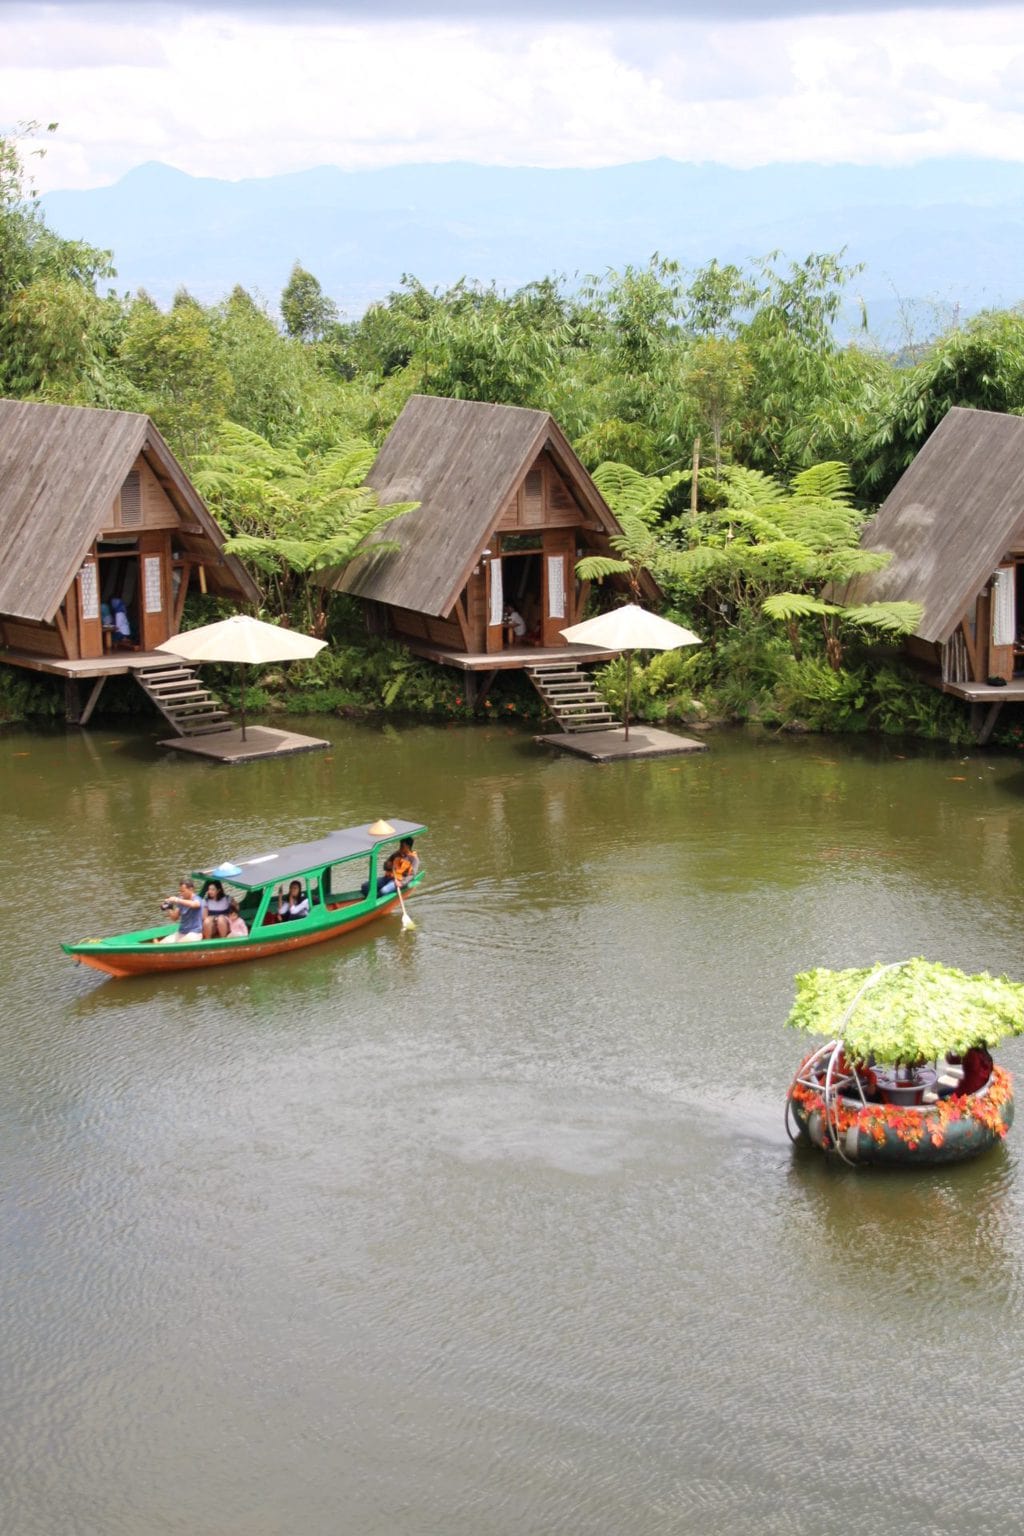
x=233, y=95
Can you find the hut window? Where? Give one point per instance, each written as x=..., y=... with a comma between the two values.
x=131, y=500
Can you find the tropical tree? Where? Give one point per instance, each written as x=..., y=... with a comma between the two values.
x=172, y=359
x=979, y=365
x=781, y=550
x=296, y=515
x=637, y=500
x=52, y=322
x=307, y=312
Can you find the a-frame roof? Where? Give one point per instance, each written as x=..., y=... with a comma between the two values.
x=949, y=519
x=61, y=467
x=461, y=460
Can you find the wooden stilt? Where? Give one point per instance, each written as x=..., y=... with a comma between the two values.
x=983, y=727
x=72, y=701
x=92, y=700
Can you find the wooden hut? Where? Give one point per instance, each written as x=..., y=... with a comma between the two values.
x=954, y=524
x=506, y=510
x=94, y=506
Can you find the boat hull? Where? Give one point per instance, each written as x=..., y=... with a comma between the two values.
x=145, y=958
x=950, y=1132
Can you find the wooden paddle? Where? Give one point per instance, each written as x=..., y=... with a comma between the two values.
x=407, y=921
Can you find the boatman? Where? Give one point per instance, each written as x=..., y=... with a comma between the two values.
x=399, y=868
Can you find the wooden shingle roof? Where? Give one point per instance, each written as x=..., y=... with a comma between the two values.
x=61, y=467
x=461, y=460
x=949, y=519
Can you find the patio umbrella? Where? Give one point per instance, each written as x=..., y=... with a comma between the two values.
x=630, y=629
x=249, y=642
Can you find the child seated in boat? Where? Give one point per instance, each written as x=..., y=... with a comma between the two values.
x=238, y=928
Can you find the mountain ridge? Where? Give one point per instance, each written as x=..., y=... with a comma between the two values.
x=943, y=232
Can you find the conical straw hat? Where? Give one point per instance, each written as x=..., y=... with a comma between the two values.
x=381, y=829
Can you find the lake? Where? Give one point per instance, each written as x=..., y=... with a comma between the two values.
x=492, y=1228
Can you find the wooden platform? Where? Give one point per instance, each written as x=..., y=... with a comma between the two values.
x=984, y=693
x=513, y=658
x=114, y=664
x=610, y=746
x=261, y=741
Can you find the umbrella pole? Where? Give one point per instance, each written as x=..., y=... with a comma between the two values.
x=629, y=676
x=241, y=679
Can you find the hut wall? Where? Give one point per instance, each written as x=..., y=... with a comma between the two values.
x=543, y=500
x=475, y=599
x=924, y=650
x=423, y=626
x=38, y=639
x=141, y=503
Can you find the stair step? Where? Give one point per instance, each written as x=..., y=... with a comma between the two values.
x=211, y=730
x=175, y=685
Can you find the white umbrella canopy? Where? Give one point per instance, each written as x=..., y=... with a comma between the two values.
x=630, y=628
x=249, y=642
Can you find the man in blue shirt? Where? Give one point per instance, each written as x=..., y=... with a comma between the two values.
x=189, y=911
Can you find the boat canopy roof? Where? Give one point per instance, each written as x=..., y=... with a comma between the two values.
x=258, y=870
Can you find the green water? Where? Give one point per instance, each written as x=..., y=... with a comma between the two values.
x=492, y=1228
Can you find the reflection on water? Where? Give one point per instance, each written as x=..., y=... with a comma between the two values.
x=493, y=1227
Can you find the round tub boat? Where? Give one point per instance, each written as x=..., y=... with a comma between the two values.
x=949, y=1131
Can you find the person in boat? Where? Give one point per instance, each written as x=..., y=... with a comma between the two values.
x=977, y=1065
x=399, y=868
x=188, y=909
x=238, y=928
x=215, y=911
x=295, y=904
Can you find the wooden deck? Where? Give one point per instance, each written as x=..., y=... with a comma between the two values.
x=983, y=693
x=611, y=746
x=513, y=658
x=260, y=742
x=985, y=700
x=116, y=664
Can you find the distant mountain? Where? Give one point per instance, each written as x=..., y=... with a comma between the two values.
x=934, y=238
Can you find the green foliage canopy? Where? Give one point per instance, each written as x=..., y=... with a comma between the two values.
x=920, y=1008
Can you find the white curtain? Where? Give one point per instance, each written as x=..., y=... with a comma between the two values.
x=556, y=586
x=497, y=595
x=1004, y=608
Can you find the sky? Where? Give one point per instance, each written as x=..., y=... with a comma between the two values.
x=255, y=88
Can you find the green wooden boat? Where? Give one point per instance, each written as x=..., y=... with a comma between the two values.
x=331, y=870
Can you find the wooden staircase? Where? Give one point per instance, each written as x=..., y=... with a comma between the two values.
x=185, y=702
x=570, y=696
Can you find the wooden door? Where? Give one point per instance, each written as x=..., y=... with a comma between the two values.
x=155, y=617
x=90, y=627
x=558, y=584
x=494, y=633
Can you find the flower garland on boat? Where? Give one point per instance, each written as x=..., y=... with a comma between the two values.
x=912, y=1125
